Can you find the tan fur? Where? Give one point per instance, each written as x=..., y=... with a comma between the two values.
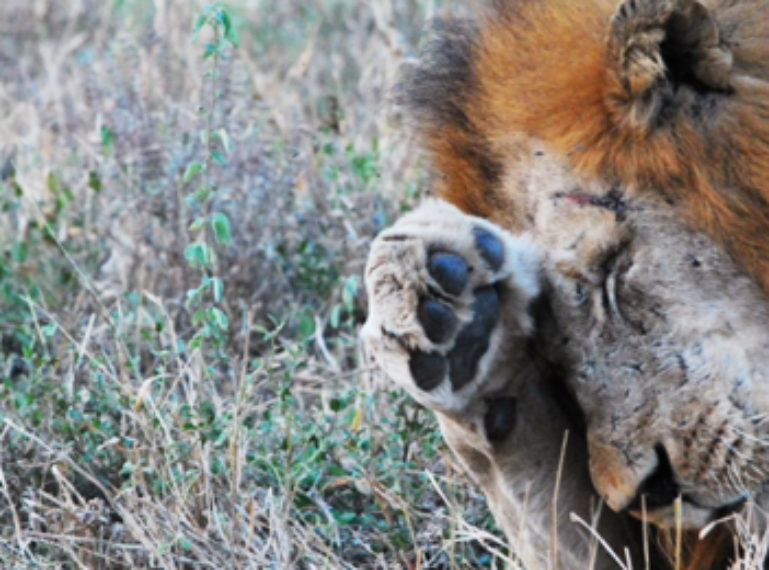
x=627, y=148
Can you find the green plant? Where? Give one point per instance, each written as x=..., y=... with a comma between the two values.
x=211, y=229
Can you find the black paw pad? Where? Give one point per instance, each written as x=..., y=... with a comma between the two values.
x=428, y=369
x=438, y=320
x=450, y=271
x=500, y=418
x=473, y=340
x=491, y=248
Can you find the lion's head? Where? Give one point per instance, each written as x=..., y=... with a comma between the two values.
x=631, y=144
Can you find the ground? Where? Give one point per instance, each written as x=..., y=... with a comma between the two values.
x=187, y=196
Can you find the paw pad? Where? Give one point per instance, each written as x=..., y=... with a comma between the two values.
x=438, y=320
x=450, y=271
x=491, y=249
x=473, y=340
x=428, y=369
x=500, y=418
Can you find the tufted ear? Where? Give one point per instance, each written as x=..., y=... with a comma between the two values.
x=692, y=48
x=664, y=54
x=693, y=24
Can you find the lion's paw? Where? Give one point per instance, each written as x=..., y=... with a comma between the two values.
x=448, y=293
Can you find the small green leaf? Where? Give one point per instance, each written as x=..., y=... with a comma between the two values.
x=49, y=330
x=233, y=37
x=198, y=316
x=197, y=255
x=338, y=404
x=346, y=518
x=306, y=325
x=199, y=23
x=193, y=169
x=224, y=18
x=199, y=196
x=198, y=224
x=335, y=317
x=127, y=469
x=217, y=289
x=68, y=194
x=350, y=291
x=220, y=223
x=209, y=50
x=218, y=157
x=230, y=33
x=53, y=183
x=218, y=318
x=94, y=181
x=224, y=137
x=194, y=294
x=19, y=251
x=107, y=140
x=24, y=401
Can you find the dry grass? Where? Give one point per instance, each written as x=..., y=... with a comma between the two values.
x=125, y=443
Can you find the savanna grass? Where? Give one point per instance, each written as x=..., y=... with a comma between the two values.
x=164, y=406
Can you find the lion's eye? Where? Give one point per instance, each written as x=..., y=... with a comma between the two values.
x=500, y=418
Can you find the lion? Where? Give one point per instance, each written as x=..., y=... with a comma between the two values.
x=583, y=301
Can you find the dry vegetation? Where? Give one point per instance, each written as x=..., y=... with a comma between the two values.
x=181, y=239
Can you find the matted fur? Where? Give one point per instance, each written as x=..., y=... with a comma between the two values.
x=627, y=147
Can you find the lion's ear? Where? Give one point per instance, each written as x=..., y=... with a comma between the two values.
x=692, y=24
x=694, y=47
x=664, y=53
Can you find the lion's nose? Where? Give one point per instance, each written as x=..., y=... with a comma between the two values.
x=623, y=480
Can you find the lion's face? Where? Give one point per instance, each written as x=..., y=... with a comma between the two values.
x=663, y=336
x=585, y=306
